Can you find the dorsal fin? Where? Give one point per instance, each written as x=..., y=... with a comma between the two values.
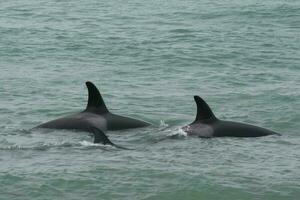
x=203, y=110
x=95, y=102
x=100, y=137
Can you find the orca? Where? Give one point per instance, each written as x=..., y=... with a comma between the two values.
x=207, y=125
x=95, y=115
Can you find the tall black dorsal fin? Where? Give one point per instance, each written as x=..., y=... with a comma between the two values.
x=203, y=110
x=95, y=101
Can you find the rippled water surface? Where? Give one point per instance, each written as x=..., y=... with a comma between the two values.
x=149, y=58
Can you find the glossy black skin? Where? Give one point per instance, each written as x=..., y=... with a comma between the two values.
x=117, y=122
x=82, y=121
x=219, y=128
x=95, y=119
x=96, y=115
x=207, y=125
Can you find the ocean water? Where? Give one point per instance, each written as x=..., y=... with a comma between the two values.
x=148, y=59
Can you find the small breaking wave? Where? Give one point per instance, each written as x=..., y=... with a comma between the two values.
x=87, y=144
x=163, y=125
x=179, y=133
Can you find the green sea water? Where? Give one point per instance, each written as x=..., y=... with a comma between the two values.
x=148, y=59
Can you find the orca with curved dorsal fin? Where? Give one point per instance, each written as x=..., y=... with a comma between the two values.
x=207, y=125
x=95, y=115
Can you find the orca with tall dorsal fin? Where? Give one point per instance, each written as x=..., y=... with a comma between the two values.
x=207, y=125
x=95, y=115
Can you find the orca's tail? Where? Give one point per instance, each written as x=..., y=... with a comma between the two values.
x=100, y=137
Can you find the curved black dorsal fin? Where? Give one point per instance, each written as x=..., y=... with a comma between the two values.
x=95, y=101
x=100, y=137
x=203, y=110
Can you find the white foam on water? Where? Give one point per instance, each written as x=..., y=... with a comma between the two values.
x=179, y=132
x=163, y=124
x=90, y=144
